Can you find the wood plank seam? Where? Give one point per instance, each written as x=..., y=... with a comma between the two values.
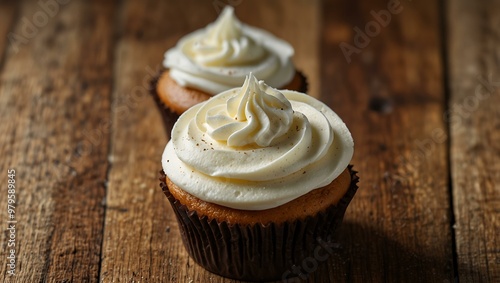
x=444, y=30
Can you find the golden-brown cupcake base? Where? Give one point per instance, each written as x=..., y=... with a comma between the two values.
x=178, y=98
x=317, y=200
x=260, y=252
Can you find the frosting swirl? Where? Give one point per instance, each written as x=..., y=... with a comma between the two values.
x=256, y=148
x=224, y=44
x=219, y=57
x=250, y=117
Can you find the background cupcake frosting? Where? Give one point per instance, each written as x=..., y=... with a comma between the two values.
x=219, y=56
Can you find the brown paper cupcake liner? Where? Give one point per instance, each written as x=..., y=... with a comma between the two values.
x=304, y=85
x=258, y=252
x=169, y=117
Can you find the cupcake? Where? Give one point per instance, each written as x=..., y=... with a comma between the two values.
x=259, y=180
x=217, y=58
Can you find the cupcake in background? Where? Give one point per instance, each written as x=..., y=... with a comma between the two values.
x=217, y=58
x=258, y=179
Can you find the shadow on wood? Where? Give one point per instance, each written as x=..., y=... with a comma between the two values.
x=369, y=255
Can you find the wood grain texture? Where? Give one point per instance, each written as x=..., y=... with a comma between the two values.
x=391, y=96
x=54, y=94
x=474, y=117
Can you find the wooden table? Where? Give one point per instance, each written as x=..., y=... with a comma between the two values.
x=417, y=82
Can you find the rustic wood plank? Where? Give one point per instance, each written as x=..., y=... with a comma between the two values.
x=54, y=102
x=142, y=240
x=391, y=96
x=474, y=117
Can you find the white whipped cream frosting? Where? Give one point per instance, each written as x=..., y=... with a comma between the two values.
x=256, y=148
x=218, y=57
